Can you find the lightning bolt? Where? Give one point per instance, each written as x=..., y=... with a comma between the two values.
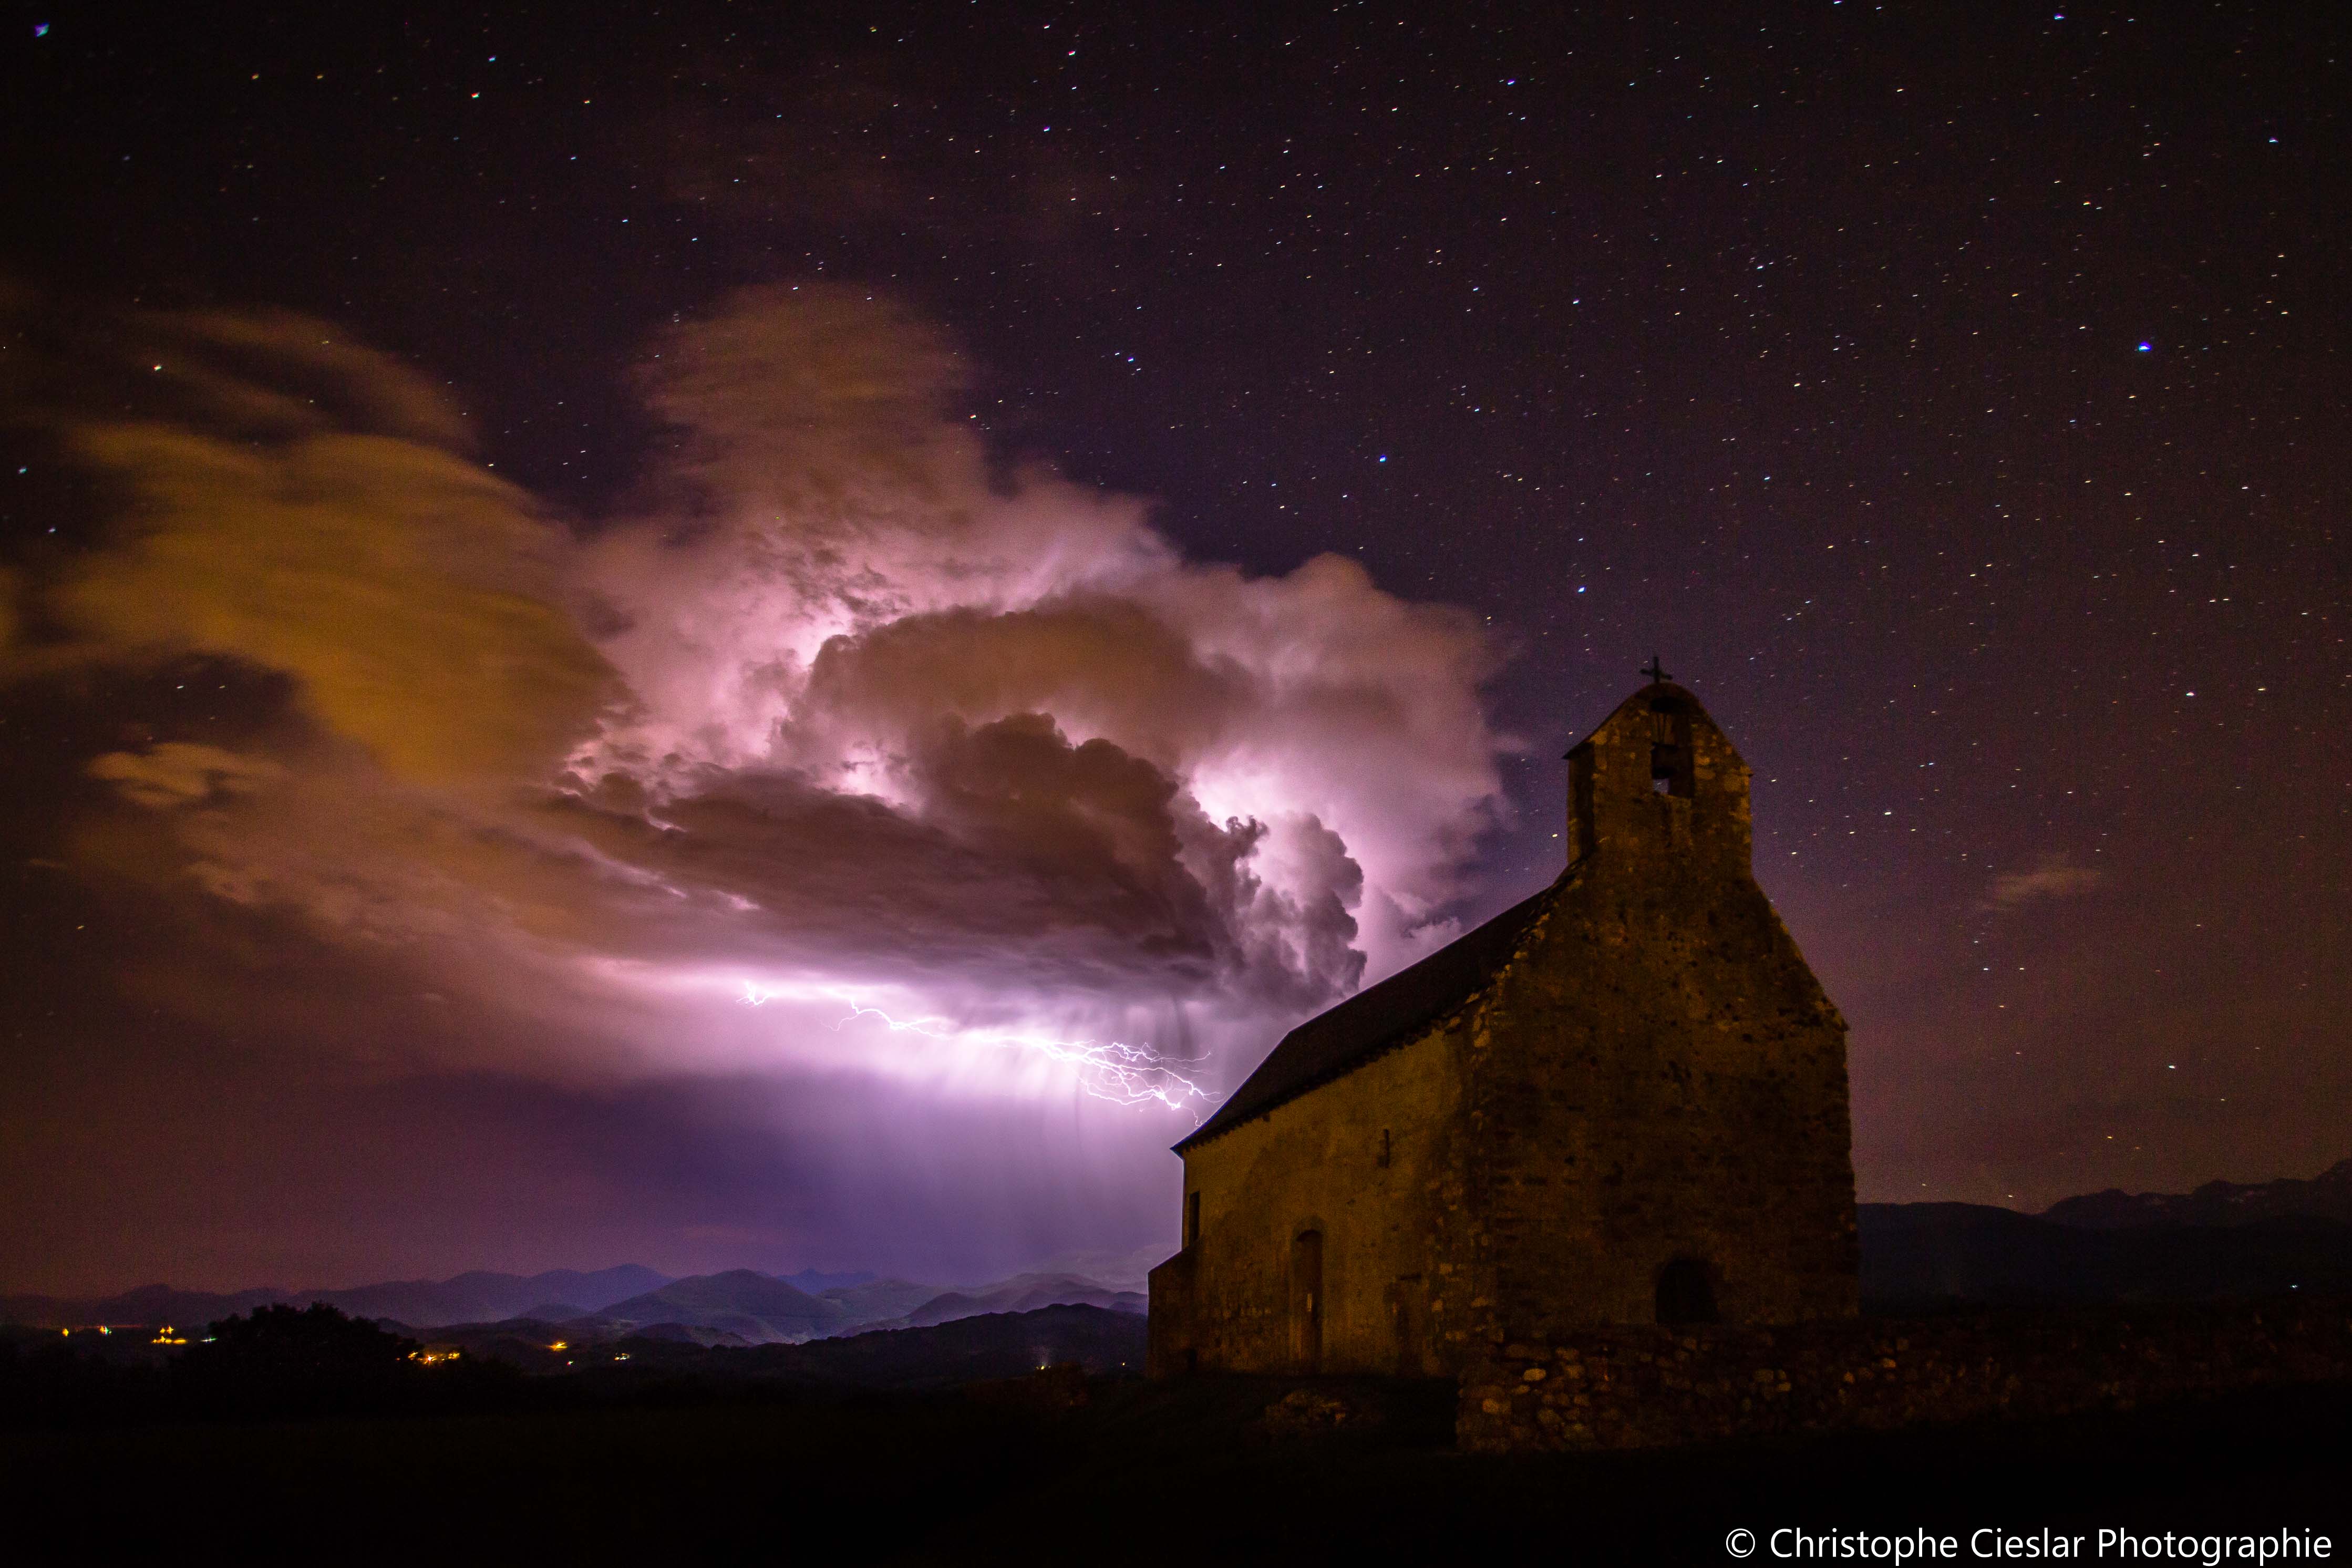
x=1106, y=1070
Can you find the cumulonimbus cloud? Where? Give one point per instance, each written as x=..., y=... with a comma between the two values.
x=835, y=696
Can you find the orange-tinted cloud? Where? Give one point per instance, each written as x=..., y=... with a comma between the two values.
x=837, y=696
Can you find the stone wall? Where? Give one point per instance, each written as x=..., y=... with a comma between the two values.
x=1656, y=1387
x=1369, y=1163
x=1661, y=1078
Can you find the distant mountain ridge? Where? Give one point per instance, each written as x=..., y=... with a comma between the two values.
x=880, y=1300
x=790, y=1307
x=476, y=1296
x=147, y=1304
x=733, y=1307
x=740, y=1306
x=987, y=1345
x=1914, y=1254
x=1023, y=1293
x=815, y=1282
x=2327, y=1195
x=2224, y=1238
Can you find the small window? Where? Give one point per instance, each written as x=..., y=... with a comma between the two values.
x=1192, y=1219
x=1381, y=1160
x=1686, y=1293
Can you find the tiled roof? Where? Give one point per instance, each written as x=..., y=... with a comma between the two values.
x=1374, y=1019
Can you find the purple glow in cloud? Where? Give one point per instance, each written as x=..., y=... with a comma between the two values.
x=970, y=780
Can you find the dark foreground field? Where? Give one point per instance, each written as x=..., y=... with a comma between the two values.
x=1140, y=1473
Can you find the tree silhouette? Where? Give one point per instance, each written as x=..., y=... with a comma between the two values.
x=294, y=1359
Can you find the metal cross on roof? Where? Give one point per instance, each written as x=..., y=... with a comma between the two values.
x=1655, y=671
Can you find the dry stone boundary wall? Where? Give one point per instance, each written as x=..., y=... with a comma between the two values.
x=1656, y=1387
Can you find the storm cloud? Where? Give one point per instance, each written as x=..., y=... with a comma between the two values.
x=836, y=712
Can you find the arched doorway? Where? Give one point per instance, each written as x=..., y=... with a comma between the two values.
x=1686, y=1293
x=1307, y=1298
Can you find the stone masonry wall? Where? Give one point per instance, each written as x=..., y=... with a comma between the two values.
x=1371, y=1162
x=1657, y=1387
x=1665, y=1081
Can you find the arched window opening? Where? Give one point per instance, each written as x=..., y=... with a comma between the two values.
x=1686, y=1293
x=1670, y=771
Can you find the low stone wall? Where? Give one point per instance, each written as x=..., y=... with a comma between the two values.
x=1655, y=1387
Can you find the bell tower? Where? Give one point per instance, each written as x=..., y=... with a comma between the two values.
x=1659, y=788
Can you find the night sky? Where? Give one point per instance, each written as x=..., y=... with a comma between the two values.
x=716, y=639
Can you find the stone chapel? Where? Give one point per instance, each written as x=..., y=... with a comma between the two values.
x=1621, y=1102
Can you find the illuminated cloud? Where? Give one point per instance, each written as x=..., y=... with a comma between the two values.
x=835, y=708
x=2056, y=878
x=175, y=772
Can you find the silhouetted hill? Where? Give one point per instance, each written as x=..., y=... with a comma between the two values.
x=2327, y=1195
x=527, y=1344
x=479, y=1295
x=469, y=1297
x=879, y=1301
x=147, y=1304
x=1022, y=1293
x=753, y=1307
x=552, y=1312
x=738, y=1306
x=1917, y=1253
x=996, y=1346
x=818, y=1284
x=1127, y=1270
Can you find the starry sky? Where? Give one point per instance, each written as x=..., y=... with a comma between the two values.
x=712, y=637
